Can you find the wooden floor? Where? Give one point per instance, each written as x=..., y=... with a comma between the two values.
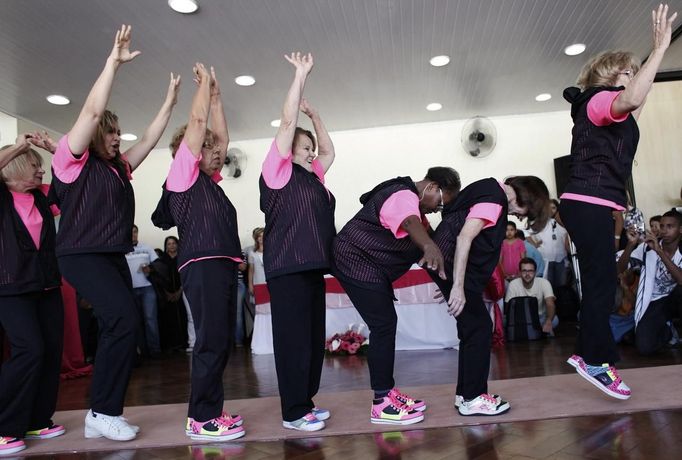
x=644, y=435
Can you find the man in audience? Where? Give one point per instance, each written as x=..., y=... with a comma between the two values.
x=659, y=293
x=528, y=285
x=655, y=225
x=533, y=253
x=139, y=261
x=552, y=242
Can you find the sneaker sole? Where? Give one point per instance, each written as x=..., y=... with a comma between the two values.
x=45, y=436
x=12, y=450
x=322, y=418
x=209, y=437
x=315, y=427
x=91, y=433
x=239, y=423
x=505, y=408
x=381, y=421
x=594, y=382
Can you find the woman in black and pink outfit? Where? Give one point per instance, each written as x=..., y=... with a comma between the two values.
x=299, y=228
x=31, y=309
x=376, y=247
x=91, y=185
x=613, y=90
x=208, y=255
x=470, y=236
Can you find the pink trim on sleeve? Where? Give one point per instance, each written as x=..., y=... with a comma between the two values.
x=184, y=170
x=398, y=207
x=591, y=200
x=217, y=177
x=488, y=212
x=129, y=170
x=67, y=167
x=235, y=259
x=318, y=169
x=599, y=108
x=276, y=169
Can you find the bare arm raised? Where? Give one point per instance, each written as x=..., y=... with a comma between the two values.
x=198, y=117
x=287, y=127
x=325, y=146
x=218, y=122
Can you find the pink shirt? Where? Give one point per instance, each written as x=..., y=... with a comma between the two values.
x=511, y=255
x=488, y=212
x=591, y=200
x=184, y=170
x=24, y=203
x=67, y=166
x=599, y=109
x=398, y=207
x=277, y=169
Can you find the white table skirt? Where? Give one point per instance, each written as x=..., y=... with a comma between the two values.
x=420, y=327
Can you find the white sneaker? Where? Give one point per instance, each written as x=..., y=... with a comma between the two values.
x=484, y=404
x=135, y=428
x=459, y=399
x=306, y=423
x=111, y=427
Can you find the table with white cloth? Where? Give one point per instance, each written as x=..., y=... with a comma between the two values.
x=423, y=322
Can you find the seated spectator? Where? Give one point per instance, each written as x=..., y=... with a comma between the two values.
x=552, y=242
x=655, y=225
x=622, y=320
x=513, y=250
x=530, y=286
x=659, y=292
x=533, y=253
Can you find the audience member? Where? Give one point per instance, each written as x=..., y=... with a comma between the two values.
x=622, y=320
x=552, y=242
x=533, y=253
x=655, y=225
x=513, y=250
x=139, y=263
x=659, y=293
x=528, y=285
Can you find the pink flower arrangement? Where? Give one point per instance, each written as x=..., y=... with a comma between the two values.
x=350, y=342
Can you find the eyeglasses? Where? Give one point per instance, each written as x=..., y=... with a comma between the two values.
x=439, y=208
x=528, y=271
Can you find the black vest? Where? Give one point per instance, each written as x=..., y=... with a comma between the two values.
x=299, y=224
x=97, y=210
x=484, y=254
x=23, y=268
x=365, y=252
x=205, y=217
x=601, y=156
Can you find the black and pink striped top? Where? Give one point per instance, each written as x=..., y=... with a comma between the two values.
x=299, y=216
x=97, y=204
x=366, y=252
x=26, y=266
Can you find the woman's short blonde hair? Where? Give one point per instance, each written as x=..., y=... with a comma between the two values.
x=19, y=166
x=602, y=69
x=179, y=135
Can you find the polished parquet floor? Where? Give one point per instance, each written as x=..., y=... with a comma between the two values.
x=643, y=435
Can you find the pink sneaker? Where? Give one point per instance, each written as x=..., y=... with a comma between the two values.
x=228, y=419
x=390, y=411
x=11, y=445
x=607, y=380
x=51, y=431
x=216, y=430
x=411, y=403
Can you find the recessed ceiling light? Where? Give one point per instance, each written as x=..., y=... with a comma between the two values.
x=275, y=123
x=439, y=61
x=543, y=97
x=128, y=137
x=434, y=106
x=58, y=99
x=245, y=80
x=575, y=49
x=184, y=6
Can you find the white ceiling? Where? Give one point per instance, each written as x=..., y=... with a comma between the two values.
x=371, y=56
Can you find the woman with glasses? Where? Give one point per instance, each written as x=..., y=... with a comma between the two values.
x=470, y=236
x=612, y=91
x=375, y=248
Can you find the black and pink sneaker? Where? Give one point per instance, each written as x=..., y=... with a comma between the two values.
x=607, y=379
x=51, y=431
x=411, y=403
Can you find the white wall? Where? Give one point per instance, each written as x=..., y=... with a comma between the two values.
x=8, y=129
x=526, y=144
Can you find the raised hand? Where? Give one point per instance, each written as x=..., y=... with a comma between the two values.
x=23, y=141
x=302, y=62
x=44, y=141
x=306, y=108
x=662, y=27
x=651, y=241
x=121, y=50
x=215, y=87
x=200, y=74
x=173, y=89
